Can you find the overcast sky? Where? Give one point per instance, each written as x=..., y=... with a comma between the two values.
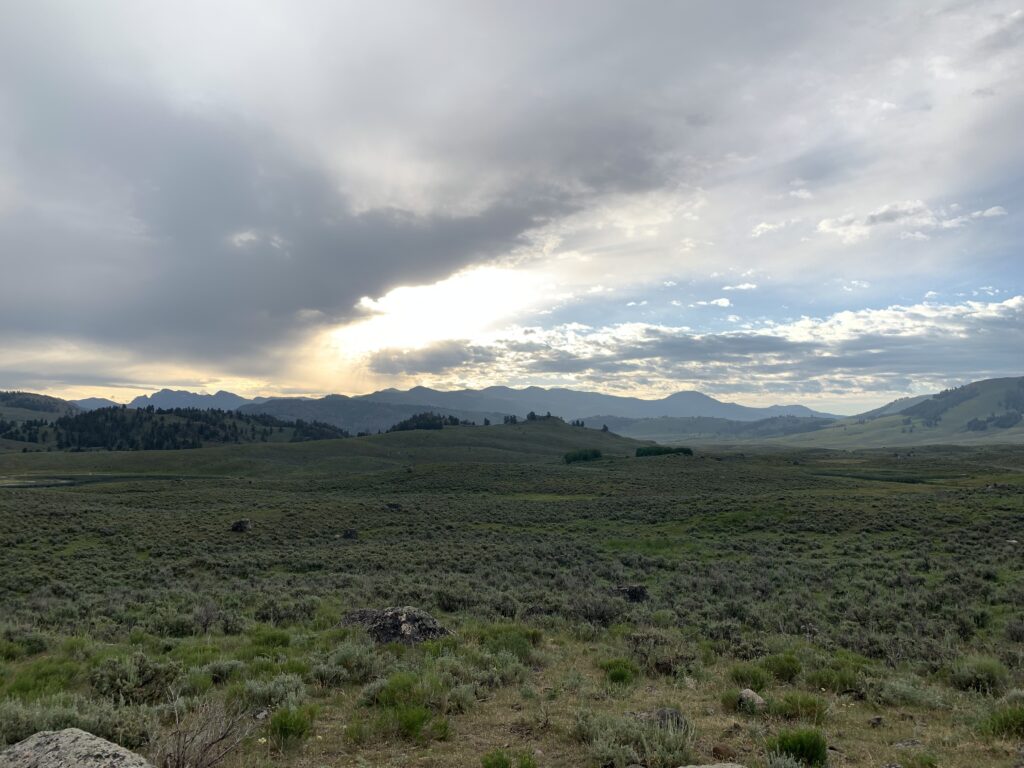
x=769, y=202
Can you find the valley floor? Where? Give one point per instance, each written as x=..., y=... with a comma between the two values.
x=874, y=600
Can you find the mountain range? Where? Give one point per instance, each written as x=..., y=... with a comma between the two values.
x=981, y=412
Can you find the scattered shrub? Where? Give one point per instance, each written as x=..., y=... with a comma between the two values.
x=748, y=675
x=136, y=679
x=838, y=676
x=807, y=746
x=515, y=639
x=202, y=736
x=662, y=450
x=289, y=725
x=270, y=694
x=979, y=673
x=621, y=741
x=44, y=677
x=500, y=759
x=224, y=670
x=129, y=726
x=583, y=454
x=620, y=671
x=797, y=705
x=784, y=667
x=1006, y=721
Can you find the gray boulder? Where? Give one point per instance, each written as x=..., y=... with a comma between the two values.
x=70, y=748
x=749, y=701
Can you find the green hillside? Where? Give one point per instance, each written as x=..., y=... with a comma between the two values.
x=29, y=406
x=545, y=441
x=985, y=412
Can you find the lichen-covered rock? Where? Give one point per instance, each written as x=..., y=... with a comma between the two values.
x=749, y=701
x=398, y=625
x=70, y=748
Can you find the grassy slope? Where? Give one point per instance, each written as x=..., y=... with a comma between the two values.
x=890, y=431
x=497, y=443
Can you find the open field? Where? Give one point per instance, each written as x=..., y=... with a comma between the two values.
x=876, y=598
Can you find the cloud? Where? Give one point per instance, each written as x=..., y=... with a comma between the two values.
x=921, y=346
x=200, y=211
x=913, y=214
x=723, y=302
x=740, y=287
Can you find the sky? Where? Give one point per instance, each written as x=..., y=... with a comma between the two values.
x=787, y=202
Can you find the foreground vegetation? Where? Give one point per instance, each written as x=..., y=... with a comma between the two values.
x=609, y=612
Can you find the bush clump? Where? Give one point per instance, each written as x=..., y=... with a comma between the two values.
x=808, y=746
x=797, y=705
x=1007, y=721
x=662, y=450
x=620, y=671
x=129, y=726
x=501, y=759
x=616, y=742
x=749, y=675
x=136, y=679
x=784, y=667
x=290, y=725
x=983, y=674
x=583, y=454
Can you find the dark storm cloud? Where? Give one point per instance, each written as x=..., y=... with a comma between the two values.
x=206, y=186
x=127, y=198
x=169, y=273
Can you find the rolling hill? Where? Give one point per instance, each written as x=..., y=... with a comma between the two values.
x=705, y=429
x=524, y=443
x=29, y=406
x=983, y=412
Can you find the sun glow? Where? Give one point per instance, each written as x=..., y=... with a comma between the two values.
x=464, y=306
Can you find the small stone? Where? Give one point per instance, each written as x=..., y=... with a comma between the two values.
x=877, y=721
x=241, y=526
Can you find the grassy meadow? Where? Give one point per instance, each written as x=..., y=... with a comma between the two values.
x=604, y=612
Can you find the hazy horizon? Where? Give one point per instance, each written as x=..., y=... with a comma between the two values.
x=767, y=204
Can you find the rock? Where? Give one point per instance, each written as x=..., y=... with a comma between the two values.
x=749, y=701
x=397, y=625
x=70, y=748
x=723, y=752
x=877, y=721
x=362, y=617
x=241, y=526
x=634, y=593
x=350, y=533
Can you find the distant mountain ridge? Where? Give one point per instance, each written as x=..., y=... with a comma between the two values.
x=573, y=404
x=180, y=398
